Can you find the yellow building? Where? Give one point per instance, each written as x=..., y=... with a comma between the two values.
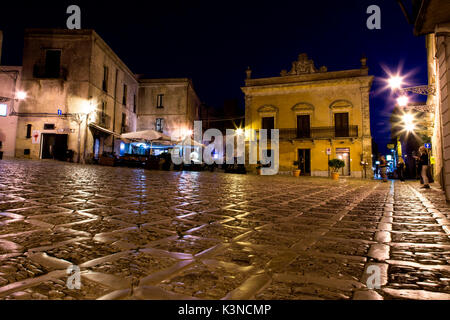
x=320, y=115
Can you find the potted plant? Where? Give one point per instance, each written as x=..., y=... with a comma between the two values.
x=335, y=165
x=296, y=171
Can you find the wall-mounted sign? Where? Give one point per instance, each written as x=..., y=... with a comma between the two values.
x=59, y=112
x=433, y=160
x=428, y=145
x=36, y=137
x=329, y=152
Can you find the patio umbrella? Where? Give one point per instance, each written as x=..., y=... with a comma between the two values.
x=190, y=142
x=146, y=135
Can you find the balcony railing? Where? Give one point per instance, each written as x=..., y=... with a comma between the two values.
x=103, y=120
x=318, y=133
x=40, y=71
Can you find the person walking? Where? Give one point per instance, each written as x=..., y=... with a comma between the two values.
x=423, y=166
x=401, y=169
x=383, y=168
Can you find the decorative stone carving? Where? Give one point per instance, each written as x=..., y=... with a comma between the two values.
x=268, y=109
x=323, y=69
x=303, y=106
x=248, y=72
x=303, y=65
x=341, y=104
x=363, y=62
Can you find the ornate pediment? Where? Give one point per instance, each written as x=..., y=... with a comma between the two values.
x=303, y=65
x=338, y=104
x=303, y=106
x=268, y=109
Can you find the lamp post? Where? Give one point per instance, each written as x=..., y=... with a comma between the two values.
x=396, y=82
x=19, y=95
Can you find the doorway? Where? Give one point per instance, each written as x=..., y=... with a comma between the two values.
x=54, y=146
x=304, y=160
x=344, y=155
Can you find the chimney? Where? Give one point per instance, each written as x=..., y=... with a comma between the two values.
x=1, y=43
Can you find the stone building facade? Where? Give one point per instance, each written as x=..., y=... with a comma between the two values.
x=169, y=106
x=317, y=112
x=81, y=96
x=9, y=86
x=431, y=18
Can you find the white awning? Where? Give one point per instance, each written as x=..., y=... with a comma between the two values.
x=96, y=126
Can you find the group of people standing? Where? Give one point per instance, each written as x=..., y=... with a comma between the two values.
x=423, y=168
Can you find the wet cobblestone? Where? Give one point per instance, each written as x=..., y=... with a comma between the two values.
x=138, y=234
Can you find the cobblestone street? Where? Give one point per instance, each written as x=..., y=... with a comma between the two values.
x=138, y=234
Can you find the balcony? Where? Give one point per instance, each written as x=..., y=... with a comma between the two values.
x=318, y=133
x=103, y=120
x=40, y=71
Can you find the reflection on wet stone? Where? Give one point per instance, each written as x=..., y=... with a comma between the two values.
x=149, y=234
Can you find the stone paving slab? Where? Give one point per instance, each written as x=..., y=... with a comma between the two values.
x=138, y=234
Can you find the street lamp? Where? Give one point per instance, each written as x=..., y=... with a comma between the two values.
x=409, y=122
x=395, y=82
x=239, y=131
x=403, y=101
x=21, y=95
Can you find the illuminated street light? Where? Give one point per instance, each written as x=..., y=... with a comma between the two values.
x=239, y=131
x=410, y=127
x=21, y=95
x=403, y=101
x=409, y=122
x=395, y=82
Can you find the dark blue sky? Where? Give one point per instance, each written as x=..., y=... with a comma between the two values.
x=214, y=41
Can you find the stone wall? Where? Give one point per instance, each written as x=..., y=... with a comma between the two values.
x=8, y=123
x=180, y=105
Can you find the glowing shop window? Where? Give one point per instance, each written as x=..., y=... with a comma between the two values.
x=3, y=110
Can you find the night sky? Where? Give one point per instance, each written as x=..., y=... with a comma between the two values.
x=213, y=42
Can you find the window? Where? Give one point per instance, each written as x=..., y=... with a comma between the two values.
x=134, y=104
x=124, y=122
x=102, y=119
x=52, y=63
x=125, y=95
x=49, y=126
x=103, y=108
x=341, y=124
x=3, y=110
x=268, y=123
x=303, y=126
x=28, y=131
x=159, y=101
x=105, y=78
x=159, y=125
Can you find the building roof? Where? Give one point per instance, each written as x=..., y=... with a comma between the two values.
x=304, y=71
x=431, y=13
x=82, y=33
